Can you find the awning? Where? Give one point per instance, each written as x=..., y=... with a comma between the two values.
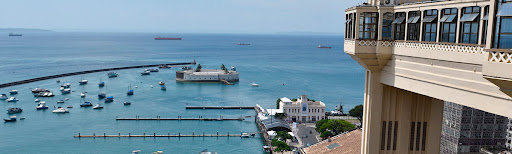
x=448, y=18
x=469, y=17
x=349, y=20
x=399, y=20
x=413, y=20
x=486, y=17
x=505, y=10
x=429, y=18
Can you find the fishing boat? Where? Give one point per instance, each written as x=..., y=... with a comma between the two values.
x=162, y=87
x=112, y=74
x=42, y=106
x=14, y=110
x=102, y=95
x=60, y=101
x=161, y=83
x=60, y=110
x=101, y=84
x=10, y=119
x=98, y=106
x=86, y=104
x=3, y=97
x=254, y=84
x=109, y=99
x=130, y=90
x=320, y=46
x=127, y=103
x=145, y=73
x=13, y=92
x=12, y=99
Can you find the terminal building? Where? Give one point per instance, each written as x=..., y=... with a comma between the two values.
x=303, y=109
x=418, y=54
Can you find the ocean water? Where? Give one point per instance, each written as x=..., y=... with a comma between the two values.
x=283, y=65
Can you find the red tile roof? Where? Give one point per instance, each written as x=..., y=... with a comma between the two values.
x=348, y=143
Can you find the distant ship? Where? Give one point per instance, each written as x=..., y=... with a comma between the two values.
x=243, y=44
x=167, y=38
x=12, y=34
x=320, y=46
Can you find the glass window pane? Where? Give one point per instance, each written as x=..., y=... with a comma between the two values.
x=505, y=41
x=467, y=27
x=506, y=25
x=434, y=27
x=427, y=27
x=452, y=37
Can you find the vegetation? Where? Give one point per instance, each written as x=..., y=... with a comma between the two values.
x=277, y=103
x=328, y=128
x=280, y=145
x=357, y=112
x=283, y=135
x=222, y=67
x=295, y=99
x=198, y=69
x=280, y=115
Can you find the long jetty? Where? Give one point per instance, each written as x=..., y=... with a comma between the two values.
x=167, y=135
x=189, y=119
x=220, y=107
x=87, y=72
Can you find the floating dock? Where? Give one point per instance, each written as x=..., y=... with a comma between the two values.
x=179, y=118
x=168, y=135
x=220, y=107
x=86, y=72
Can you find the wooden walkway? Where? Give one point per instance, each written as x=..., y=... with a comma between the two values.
x=85, y=72
x=220, y=107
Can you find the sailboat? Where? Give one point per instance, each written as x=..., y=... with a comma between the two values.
x=101, y=84
x=83, y=93
x=82, y=82
x=130, y=90
x=102, y=95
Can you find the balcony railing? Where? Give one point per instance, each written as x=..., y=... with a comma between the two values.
x=500, y=56
x=441, y=46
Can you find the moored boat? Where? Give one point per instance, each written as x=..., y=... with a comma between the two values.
x=10, y=119
x=254, y=84
x=242, y=43
x=98, y=106
x=320, y=46
x=12, y=110
x=162, y=87
x=42, y=106
x=37, y=100
x=13, y=92
x=112, y=74
x=3, y=97
x=161, y=83
x=12, y=99
x=60, y=101
x=66, y=91
x=70, y=106
x=86, y=104
x=102, y=95
x=60, y=110
x=109, y=99
x=82, y=94
x=38, y=90
x=130, y=90
x=167, y=38
x=152, y=70
x=127, y=103
x=145, y=73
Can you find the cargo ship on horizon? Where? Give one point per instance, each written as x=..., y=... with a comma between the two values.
x=167, y=38
x=13, y=34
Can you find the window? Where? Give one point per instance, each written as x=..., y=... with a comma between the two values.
x=448, y=25
x=469, y=24
x=368, y=25
x=349, y=26
x=399, y=26
x=430, y=25
x=504, y=17
x=387, y=26
x=413, y=27
x=485, y=19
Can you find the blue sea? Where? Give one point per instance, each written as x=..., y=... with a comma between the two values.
x=283, y=66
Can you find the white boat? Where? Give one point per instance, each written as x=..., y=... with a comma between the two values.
x=13, y=92
x=37, y=100
x=127, y=103
x=67, y=99
x=66, y=91
x=161, y=83
x=60, y=110
x=70, y=106
x=12, y=99
x=82, y=94
x=205, y=151
x=97, y=106
x=151, y=86
x=60, y=101
x=22, y=118
x=254, y=84
x=145, y=73
x=42, y=106
x=3, y=97
x=82, y=82
x=136, y=152
x=233, y=68
x=10, y=119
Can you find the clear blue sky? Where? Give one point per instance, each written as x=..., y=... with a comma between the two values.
x=182, y=16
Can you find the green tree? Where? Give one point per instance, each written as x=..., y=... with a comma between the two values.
x=283, y=135
x=357, y=112
x=280, y=115
x=199, y=67
x=326, y=134
x=280, y=145
x=319, y=124
x=333, y=127
x=277, y=103
x=222, y=67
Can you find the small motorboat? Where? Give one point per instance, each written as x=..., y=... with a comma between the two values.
x=320, y=46
x=3, y=97
x=37, y=100
x=82, y=94
x=42, y=106
x=145, y=73
x=101, y=84
x=151, y=86
x=254, y=84
x=12, y=99
x=98, y=106
x=14, y=110
x=70, y=106
x=86, y=104
x=60, y=110
x=102, y=95
x=242, y=43
x=161, y=83
x=82, y=82
x=66, y=86
x=58, y=80
x=10, y=119
x=112, y=74
x=127, y=103
x=22, y=118
x=109, y=99
x=162, y=66
x=245, y=135
x=60, y=101
x=152, y=70
x=186, y=68
x=163, y=87
x=38, y=90
x=136, y=86
x=66, y=91
x=66, y=99
x=130, y=92
x=13, y=92
x=233, y=68
x=205, y=151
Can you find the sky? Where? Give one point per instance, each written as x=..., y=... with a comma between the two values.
x=177, y=16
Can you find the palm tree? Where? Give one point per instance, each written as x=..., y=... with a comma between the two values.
x=198, y=69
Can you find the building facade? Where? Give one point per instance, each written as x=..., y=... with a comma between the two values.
x=417, y=54
x=302, y=110
x=467, y=130
x=509, y=135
